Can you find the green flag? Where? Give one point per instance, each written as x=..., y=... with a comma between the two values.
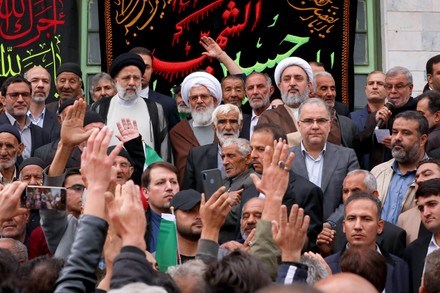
x=167, y=250
x=150, y=156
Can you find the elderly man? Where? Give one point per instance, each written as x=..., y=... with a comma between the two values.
x=342, y=129
x=202, y=92
x=68, y=83
x=11, y=149
x=226, y=123
x=361, y=225
x=17, y=92
x=167, y=103
x=39, y=78
x=428, y=203
x=127, y=71
x=429, y=106
x=293, y=77
x=259, y=89
x=395, y=178
x=236, y=157
x=322, y=163
x=102, y=86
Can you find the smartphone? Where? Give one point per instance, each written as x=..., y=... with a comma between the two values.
x=212, y=181
x=44, y=198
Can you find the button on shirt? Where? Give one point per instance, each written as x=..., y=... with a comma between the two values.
x=397, y=190
x=25, y=134
x=314, y=167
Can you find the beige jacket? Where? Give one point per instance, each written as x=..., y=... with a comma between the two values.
x=383, y=174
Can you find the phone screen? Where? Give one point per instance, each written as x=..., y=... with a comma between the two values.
x=44, y=198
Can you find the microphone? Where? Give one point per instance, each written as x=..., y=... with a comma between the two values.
x=390, y=106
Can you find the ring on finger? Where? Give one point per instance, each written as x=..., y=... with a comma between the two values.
x=287, y=169
x=281, y=164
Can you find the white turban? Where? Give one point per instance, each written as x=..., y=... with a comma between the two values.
x=289, y=62
x=201, y=78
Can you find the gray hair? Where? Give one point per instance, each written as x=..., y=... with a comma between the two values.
x=225, y=109
x=25, y=75
x=400, y=70
x=265, y=75
x=316, y=270
x=98, y=77
x=243, y=145
x=18, y=249
x=192, y=269
x=369, y=179
x=316, y=101
x=320, y=73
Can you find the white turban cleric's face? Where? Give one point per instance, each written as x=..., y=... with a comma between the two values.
x=294, y=86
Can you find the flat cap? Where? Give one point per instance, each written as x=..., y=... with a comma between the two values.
x=186, y=200
x=10, y=129
x=70, y=67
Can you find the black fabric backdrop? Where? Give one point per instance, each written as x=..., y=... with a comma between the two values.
x=37, y=33
x=258, y=34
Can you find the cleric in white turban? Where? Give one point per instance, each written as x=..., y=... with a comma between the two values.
x=290, y=62
x=199, y=78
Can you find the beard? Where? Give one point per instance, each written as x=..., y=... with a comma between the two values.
x=295, y=99
x=405, y=156
x=260, y=104
x=189, y=233
x=203, y=117
x=245, y=233
x=183, y=108
x=39, y=99
x=10, y=163
x=222, y=137
x=122, y=92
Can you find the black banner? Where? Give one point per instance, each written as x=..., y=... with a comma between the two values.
x=257, y=34
x=41, y=32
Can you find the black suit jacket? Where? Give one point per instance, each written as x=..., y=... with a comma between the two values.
x=38, y=136
x=51, y=125
x=397, y=270
x=53, y=106
x=47, y=153
x=199, y=159
x=415, y=255
x=302, y=192
x=392, y=239
x=246, y=130
x=341, y=109
x=169, y=107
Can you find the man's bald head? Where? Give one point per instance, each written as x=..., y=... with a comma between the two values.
x=340, y=282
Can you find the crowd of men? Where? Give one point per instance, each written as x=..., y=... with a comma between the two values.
x=307, y=194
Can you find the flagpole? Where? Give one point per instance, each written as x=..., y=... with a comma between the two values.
x=179, y=260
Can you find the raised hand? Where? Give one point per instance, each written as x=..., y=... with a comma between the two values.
x=10, y=201
x=72, y=130
x=290, y=233
x=128, y=130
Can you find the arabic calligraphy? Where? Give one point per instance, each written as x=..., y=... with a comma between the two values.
x=321, y=15
x=24, y=22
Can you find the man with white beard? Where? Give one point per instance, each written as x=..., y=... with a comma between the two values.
x=293, y=77
x=227, y=121
x=127, y=70
x=202, y=93
x=39, y=78
x=11, y=148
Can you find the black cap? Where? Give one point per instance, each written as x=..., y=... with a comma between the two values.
x=186, y=200
x=32, y=161
x=11, y=129
x=124, y=60
x=122, y=153
x=91, y=117
x=70, y=67
x=65, y=104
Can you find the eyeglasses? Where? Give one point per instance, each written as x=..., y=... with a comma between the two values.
x=310, y=121
x=77, y=187
x=195, y=98
x=398, y=87
x=14, y=96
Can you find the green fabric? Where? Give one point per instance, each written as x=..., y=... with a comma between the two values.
x=166, y=250
x=151, y=156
